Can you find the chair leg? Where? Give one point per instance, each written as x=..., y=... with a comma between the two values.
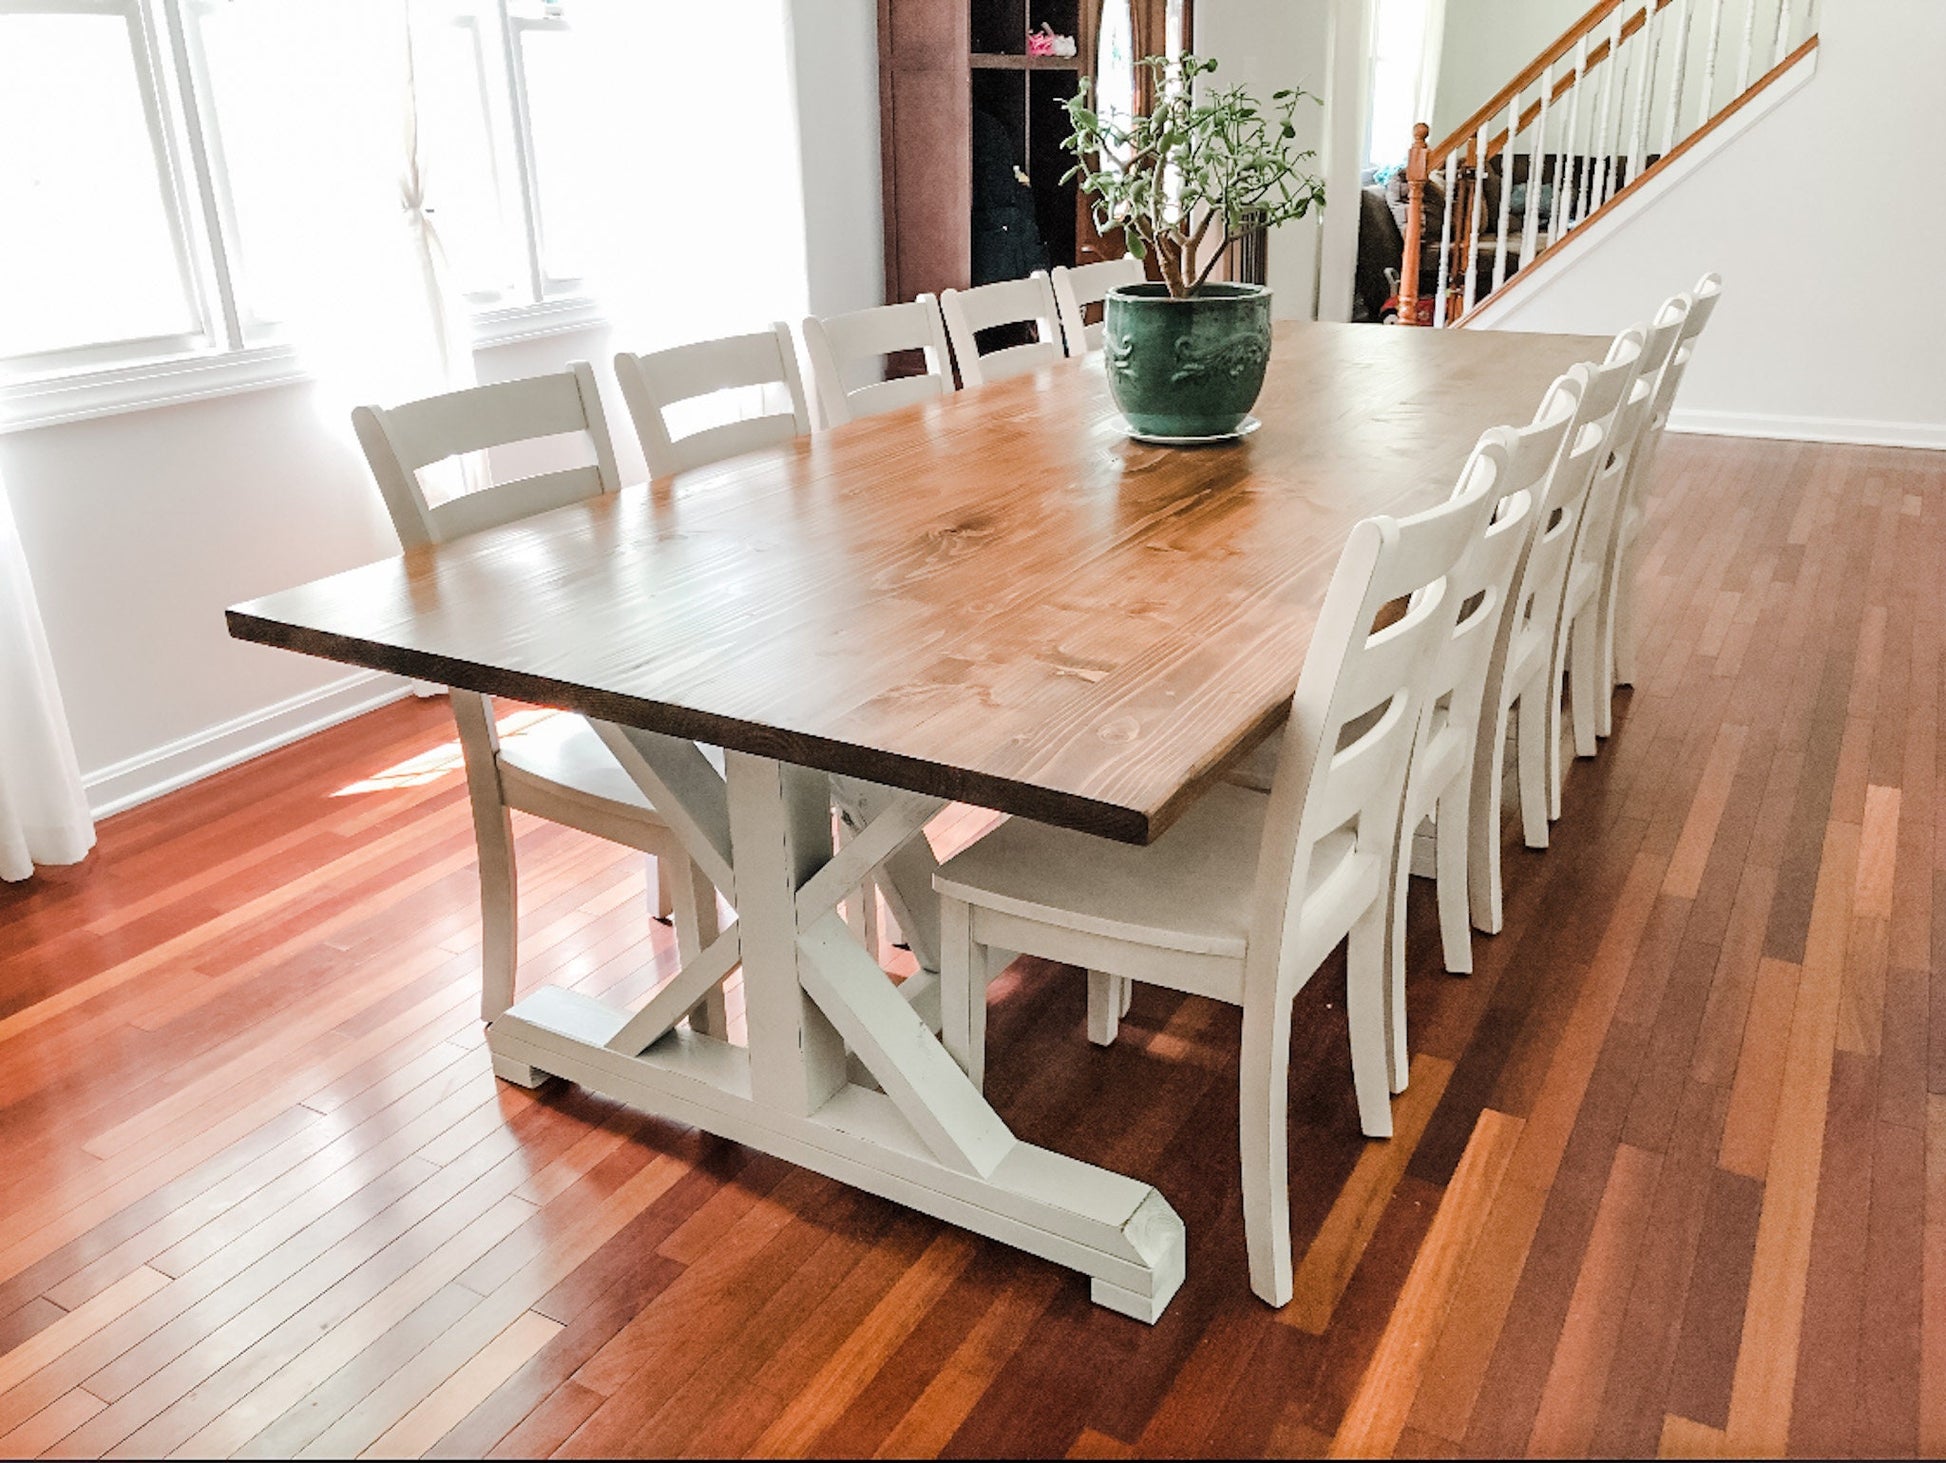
x=1104, y=1007
x=1605, y=635
x=1452, y=874
x=662, y=894
x=1394, y=954
x=696, y=929
x=1534, y=725
x=963, y=976
x=1622, y=627
x=1483, y=822
x=1584, y=670
x=1365, y=1012
x=1553, y=704
x=1128, y=995
x=1263, y=1146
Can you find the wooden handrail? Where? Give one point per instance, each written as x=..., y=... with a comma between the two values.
x=1535, y=69
x=1628, y=189
x=1613, y=167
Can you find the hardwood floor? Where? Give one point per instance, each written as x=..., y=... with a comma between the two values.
x=1670, y=1176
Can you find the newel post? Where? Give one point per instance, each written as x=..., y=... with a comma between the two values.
x=1415, y=202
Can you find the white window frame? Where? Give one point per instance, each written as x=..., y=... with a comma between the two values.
x=231, y=352
x=168, y=148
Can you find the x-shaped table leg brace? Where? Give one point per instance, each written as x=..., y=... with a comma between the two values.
x=924, y=1136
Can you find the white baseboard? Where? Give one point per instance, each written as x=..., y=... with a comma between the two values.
x=179, y=763
x=1864, y=433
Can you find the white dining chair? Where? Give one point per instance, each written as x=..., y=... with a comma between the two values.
x=1523, y=650
x=653, y=384
x=1582, y=639
x=1514, y=466
x=838, y=342
x=1245, y=896
x=1088, y=284
x=1618, y=614
x=990, y=306
x=558, y=770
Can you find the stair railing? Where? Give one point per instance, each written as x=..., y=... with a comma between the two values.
x=1582, y=118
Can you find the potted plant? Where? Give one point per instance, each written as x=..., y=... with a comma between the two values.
x=1205, y=165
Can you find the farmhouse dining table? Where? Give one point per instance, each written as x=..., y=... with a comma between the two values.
x=993, y=598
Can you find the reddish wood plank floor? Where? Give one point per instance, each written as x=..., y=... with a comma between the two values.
x=1671, y=1176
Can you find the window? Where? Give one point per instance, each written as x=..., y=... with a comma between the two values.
x=174, y=167
x=1405, y=58
x=94, y=250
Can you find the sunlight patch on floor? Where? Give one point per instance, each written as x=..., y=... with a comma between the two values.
x=443, y=760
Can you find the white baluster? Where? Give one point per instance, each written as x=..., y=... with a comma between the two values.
x=1473, y=220
x=1749, y=40
x=1506, y=191
x=1562, y=218
x=1708, y=99
x=1782, y=47
x=1604, y=135
x=1676, y=80
x=1530, y=223
x=1638, y=132
x=1445, y=241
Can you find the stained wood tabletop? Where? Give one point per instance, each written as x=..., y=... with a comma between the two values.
x=995, y=598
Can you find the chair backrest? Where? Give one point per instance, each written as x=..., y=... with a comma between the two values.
x=402, y=440
x=1598, y=392
x=837, y=341
x=1355, y=716
x=1615, y=478
x=1701, y=305
x=653, y=383
x=1512, y=465
x=1088, y=284
x=1011, y=302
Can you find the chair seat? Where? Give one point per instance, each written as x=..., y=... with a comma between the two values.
x=562, y=756
x=1190, y=891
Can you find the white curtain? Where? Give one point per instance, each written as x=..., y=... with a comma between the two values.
x=43, y=813
x=691, y=168
x=337, y=196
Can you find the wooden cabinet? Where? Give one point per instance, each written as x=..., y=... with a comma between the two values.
x=971, y=129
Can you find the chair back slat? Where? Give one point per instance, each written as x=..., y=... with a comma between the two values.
x=400, y=441
x=1088, y=284
x=733, y=439
x=894, y=395
x=509, y=502
x=834, y=343
x=653, y=383
x=1010, y=302
x=479, y=417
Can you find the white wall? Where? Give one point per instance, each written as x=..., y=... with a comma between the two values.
x=834, y=53
x=140, y=528
x=1266, y=45
x=1486, y=44
x=1832, y=324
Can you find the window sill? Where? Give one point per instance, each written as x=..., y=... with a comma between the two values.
x=75, y=396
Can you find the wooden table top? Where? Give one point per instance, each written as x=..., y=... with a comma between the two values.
x=994, y=598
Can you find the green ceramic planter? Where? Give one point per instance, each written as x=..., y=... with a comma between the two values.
x=1186, y=368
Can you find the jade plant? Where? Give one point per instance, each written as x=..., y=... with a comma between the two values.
x=1204, y=160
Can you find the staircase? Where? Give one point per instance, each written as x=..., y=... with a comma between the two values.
x=1629, y=90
